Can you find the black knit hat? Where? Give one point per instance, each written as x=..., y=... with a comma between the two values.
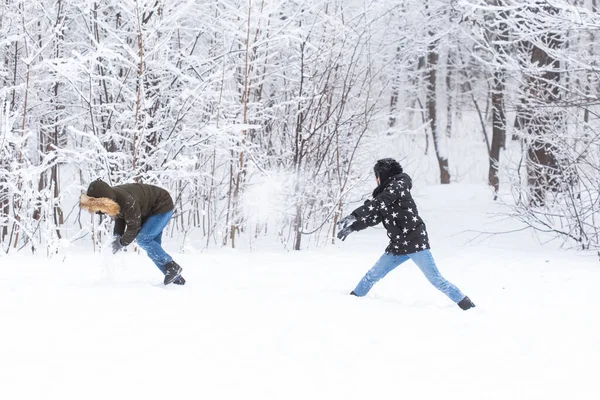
x=99, y=189
x=386, y=168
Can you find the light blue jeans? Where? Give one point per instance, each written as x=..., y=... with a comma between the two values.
x=423, y=259
x=149, y=238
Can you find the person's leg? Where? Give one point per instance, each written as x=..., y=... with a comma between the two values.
x=158, y=239
x=386, y=263
x=425, y=262
x=149, y=238
x=178, y=281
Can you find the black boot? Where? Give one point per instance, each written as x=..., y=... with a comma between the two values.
x=173, y=271
x=179, y=281
x=466, y=303
x=353, y=294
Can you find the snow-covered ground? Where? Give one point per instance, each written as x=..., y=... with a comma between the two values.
x=269, y=324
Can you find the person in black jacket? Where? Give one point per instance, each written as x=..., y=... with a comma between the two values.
x=141, y=213
x=393, y=205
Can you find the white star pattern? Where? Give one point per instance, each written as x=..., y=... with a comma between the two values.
x=404, y=233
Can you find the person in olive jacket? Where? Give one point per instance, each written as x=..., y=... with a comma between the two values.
x=141, y=213
x=393, y=205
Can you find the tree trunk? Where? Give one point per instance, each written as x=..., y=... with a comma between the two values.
x=542, y=165
x=395, y=93
x=241, y=171
x=498, y=109
x=498, y=129
x=449, y=94
x=431, y=104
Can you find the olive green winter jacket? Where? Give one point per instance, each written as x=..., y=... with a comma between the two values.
x=130, y=204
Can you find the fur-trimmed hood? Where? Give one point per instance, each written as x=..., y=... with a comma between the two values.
x=102, y=204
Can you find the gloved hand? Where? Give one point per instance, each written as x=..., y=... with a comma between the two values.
x=116, y=244
x=346, y=222
x=345, y=226
x=345, y=232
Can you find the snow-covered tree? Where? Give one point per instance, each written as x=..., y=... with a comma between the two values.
x=261, y=117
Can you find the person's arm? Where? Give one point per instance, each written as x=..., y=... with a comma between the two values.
x=369, y=214
x=366, y=215
x=132, y=216
x=119, y=228
x=373, y=211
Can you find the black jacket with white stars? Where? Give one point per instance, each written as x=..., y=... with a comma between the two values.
x=393, y=205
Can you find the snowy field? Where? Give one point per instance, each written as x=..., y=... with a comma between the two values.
x=270, y=324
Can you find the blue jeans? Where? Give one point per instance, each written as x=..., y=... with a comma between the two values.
x=423, y=259
x=149, y=238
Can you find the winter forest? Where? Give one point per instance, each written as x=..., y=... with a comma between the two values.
x=264, y=118
x=263, y=123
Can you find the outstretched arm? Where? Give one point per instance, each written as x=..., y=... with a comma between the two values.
x=366, y=216
x=371, y=213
